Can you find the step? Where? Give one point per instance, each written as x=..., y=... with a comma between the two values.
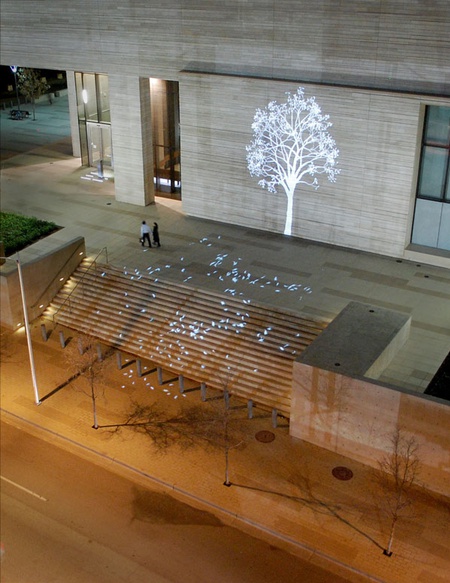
x=261, y=370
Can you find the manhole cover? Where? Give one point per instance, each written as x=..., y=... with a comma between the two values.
x=265, y=436
x=342, y=473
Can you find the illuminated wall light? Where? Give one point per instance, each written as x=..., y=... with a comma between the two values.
x=84, y=95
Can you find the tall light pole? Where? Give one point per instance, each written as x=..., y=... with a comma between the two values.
x=14, y=70
x=27, y=328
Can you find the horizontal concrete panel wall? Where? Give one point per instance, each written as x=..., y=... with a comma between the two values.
x=396, y=41
x=136, y=38
x=358, y=418
x=370, y=205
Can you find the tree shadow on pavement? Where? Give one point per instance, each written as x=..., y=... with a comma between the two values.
x=316, y=504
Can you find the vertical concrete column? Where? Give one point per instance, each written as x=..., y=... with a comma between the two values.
x=73, y=114
x=44, y=333
x=274, y=417
x=62, y=340
x=132, y=144
x=226, y=398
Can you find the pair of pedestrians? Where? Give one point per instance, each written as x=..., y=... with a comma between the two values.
x=146, y=231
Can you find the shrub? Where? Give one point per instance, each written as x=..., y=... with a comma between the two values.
x=18, y=231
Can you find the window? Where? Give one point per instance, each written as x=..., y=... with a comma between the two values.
x=94, y=121
x=432, y=213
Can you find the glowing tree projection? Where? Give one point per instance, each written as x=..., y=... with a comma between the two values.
x=292, y=146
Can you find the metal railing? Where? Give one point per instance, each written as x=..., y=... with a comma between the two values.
x=57, y=276
x=81, y=281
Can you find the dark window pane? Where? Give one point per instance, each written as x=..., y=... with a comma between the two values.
x=79, y=90
x=437, y=131
x=90, y=97
x=432, y=172
x=103, y=96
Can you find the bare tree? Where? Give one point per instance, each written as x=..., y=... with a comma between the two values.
x=85, y=360
x=292, y=146
x=210, y=424
x=32, y=85
x=398, y=472
x=223, y=428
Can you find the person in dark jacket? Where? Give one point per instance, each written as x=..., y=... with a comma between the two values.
x=156, y=241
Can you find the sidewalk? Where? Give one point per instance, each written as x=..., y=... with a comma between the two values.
x=282, y=491
x=287, y=491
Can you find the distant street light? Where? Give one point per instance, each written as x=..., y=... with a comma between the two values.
x=14, y=70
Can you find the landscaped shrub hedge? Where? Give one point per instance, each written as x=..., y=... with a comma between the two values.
x=17, y=231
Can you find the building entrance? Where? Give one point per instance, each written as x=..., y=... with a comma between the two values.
x=166, y=137
x=99, y=148
x=96, y=132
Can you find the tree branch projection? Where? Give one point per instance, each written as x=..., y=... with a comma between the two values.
x=292, y=146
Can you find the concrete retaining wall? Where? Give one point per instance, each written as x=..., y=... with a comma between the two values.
x=358, y=417
x=46, y=266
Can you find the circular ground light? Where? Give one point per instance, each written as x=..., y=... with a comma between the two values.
x=265, y=436
x=342, y=473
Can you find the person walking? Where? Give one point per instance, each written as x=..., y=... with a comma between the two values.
x=156, y=241
x=145, y=234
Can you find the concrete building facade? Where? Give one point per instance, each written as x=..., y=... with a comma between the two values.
x=379, y=68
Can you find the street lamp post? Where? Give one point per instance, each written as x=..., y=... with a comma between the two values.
x=27, y=329
x=14, y=70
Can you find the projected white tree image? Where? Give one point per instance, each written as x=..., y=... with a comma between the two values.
x=292, y=146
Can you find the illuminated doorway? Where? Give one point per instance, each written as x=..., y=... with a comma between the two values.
x=166, y=137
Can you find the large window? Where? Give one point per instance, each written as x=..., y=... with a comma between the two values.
x=432, y=213
x=94, y=121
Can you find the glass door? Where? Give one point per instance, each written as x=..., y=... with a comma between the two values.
x=99, y=148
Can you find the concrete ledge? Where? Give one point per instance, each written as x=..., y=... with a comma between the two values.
x=46, y=266
x=428, y=255
x=337, y=406
x=360, y=341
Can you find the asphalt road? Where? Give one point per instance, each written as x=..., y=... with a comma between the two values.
x=66, y=520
